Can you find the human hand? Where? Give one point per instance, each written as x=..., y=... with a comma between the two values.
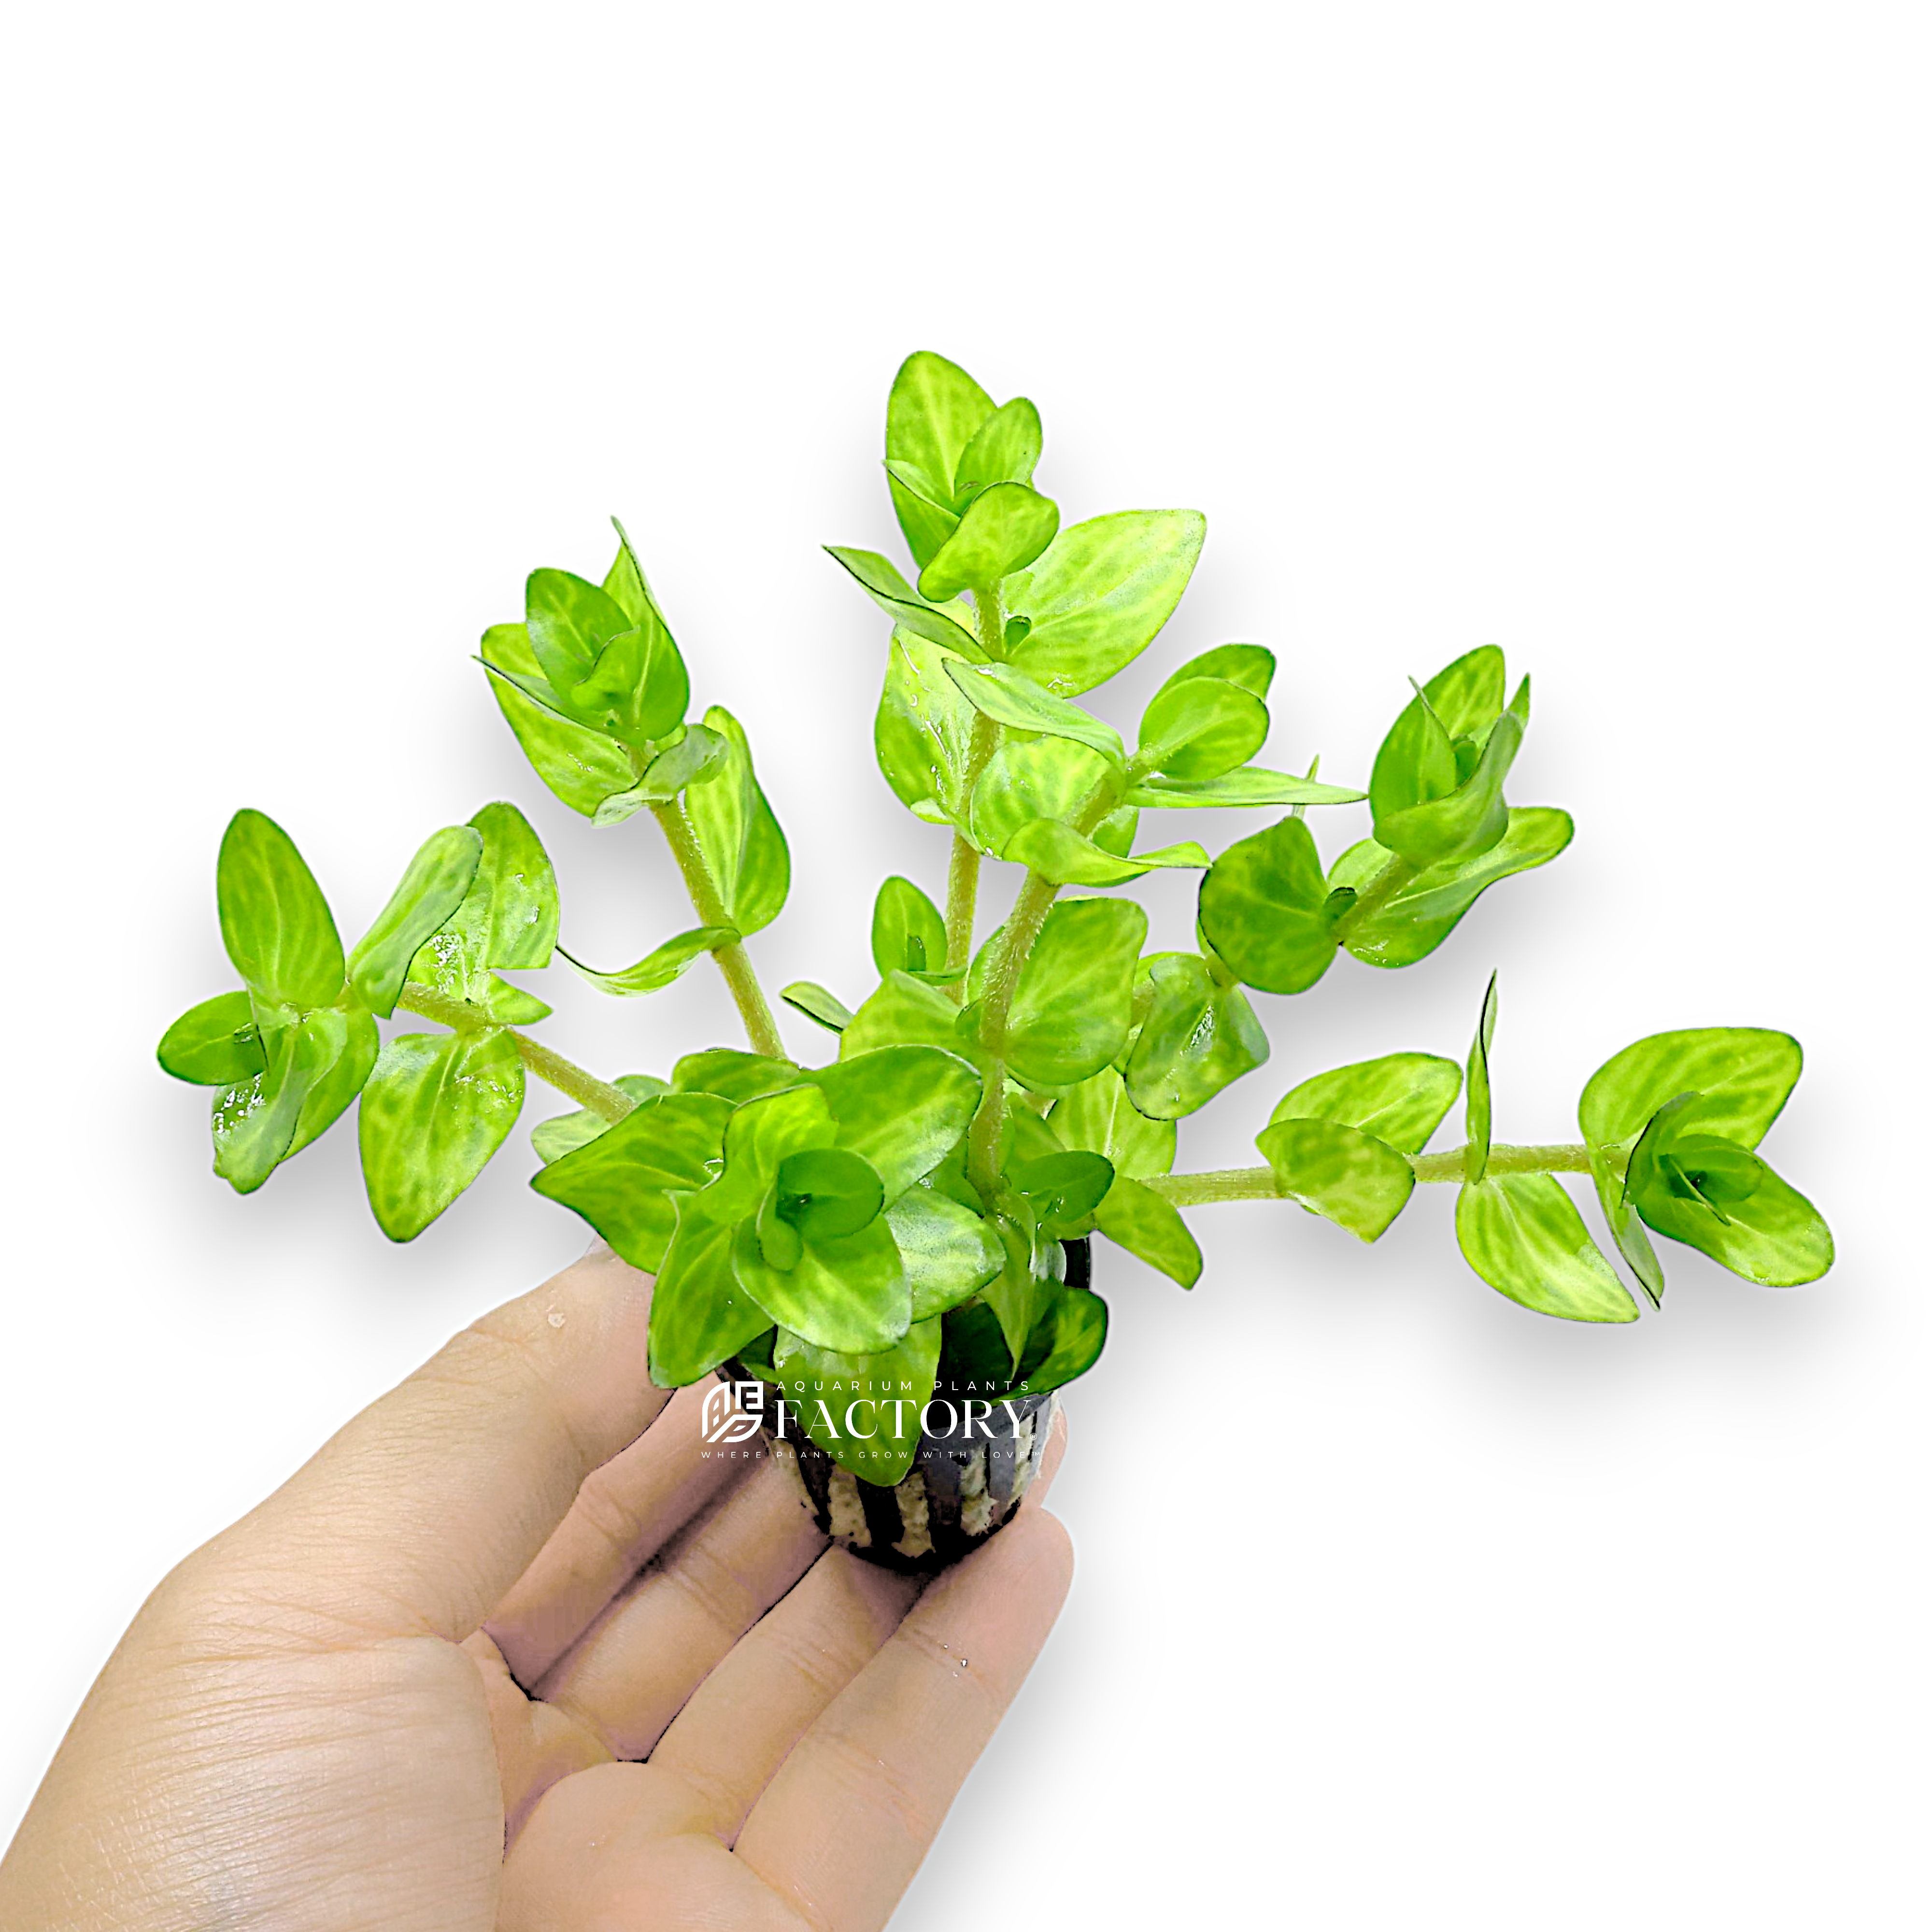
x=510, y=1604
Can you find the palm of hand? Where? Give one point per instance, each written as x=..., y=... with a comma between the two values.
x=321, y=1720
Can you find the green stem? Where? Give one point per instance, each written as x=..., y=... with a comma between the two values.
x=565, y=1075
x=1375, y=895
x=1258, y=1184
x=1219, y=1183
x=990, y=621
x=733, y=960
x=983, y=1139
x=1022, y=930
x=962, y=868
x=1563, y=1159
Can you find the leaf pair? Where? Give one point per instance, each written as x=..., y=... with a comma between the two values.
x=1084, y=611
x=594, y=687
x=1521, y=1232
x=1080, y=604
x=1443, y=836
x=1340, y=1143
x=1062, y=769
x=1436, y=789
x=1002, y=528
x=949, y=451
x=1681, y=1114
x=808, y=1243
x=1098, y=1114
x=1271, y=914
x=691, y=756
x=806, y=1173
x=1200, y=728
x=1036, y=795
x=960, y=471
x=784, y=1206
x=1209, y=717
x=505, y=918
x=604, y=661
x=438, y=1105
x=1425, y=909
x=290, y=1052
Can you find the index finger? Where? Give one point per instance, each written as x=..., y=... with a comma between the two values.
x=419, y=1514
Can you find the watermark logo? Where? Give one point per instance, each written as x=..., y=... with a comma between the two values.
x=721, y=1423
x=855, y=1409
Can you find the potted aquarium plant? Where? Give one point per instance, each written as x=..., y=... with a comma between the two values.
x=885, y=1259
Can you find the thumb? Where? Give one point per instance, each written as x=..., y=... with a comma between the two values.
x=418, y=1516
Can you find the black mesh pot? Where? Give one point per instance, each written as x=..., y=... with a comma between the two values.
x=960, y=1488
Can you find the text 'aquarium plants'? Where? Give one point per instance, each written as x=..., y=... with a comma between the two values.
x=886, y=1256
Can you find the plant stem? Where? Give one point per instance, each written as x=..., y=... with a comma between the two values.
x=1565, y=1158
x=1375, y=895
x=565, y=1075
x=1022, y=930
x=983, y=1139
x=962, y=868
x=1258, y=1184
x=733, y=962
x=1219, y=1183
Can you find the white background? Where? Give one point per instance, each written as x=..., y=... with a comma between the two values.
x=1600, y=333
